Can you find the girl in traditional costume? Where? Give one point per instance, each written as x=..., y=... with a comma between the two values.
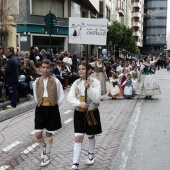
x=100, y=73
x=135, y=77
x=86, y=114
x=115, y=88
x=148, y=85
x=128, y=90
x=122, y=78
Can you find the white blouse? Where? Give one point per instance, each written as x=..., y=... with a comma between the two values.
x=67, y=60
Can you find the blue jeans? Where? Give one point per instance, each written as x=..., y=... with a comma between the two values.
x=22, y=87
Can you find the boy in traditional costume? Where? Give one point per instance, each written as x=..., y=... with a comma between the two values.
x=48, y=93
x=86, y=114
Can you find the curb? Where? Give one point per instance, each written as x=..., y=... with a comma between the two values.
x=21, y=108
x=120, y=160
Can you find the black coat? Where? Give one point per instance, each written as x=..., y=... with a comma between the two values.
x=11, y=70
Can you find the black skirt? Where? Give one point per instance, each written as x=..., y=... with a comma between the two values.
x=90, y=124
x=47, y=117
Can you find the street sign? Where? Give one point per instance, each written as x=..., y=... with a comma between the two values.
x=50, y=20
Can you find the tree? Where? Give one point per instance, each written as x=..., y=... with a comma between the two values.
x=122, y=38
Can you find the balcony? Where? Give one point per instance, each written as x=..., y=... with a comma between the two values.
x=138, y=44
x=136, y=34
x=136, y=24
x=120, y=11
x=137, y=4
x=136, y=14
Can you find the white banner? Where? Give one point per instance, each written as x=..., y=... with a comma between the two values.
x=87, y=31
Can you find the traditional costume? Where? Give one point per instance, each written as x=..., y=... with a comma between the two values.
x=85, y=121
x=148, y=85
x=128, y=90
x=48, y=93
x=100, y=74
x=135, y=78
x=114, y=89
x=122, y=78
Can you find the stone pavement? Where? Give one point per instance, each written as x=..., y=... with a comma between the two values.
x=115, y=115
x=135, y=136
x=146, y=142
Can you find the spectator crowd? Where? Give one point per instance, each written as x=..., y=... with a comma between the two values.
x=19, y=70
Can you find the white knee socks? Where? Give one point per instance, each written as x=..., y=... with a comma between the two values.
x=42, y=142
x=48, y=142
x=92, y=143
x=77, y=152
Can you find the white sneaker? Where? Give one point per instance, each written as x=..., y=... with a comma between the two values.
x=46, y=160
x=9, y=106
x=30, y=96
x=42, y=155
x=74, y=166
x=90, y=161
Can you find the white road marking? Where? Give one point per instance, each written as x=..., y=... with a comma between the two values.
x=5, y=150
x=120, y=160
x=68, y=121
x=30, y=148
x=4, y=167
x=32, y=133
x=68, y=111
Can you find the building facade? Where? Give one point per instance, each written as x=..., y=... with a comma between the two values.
x=117, y=10
x=31, y=27
x=168, y=44
x=155, y=23
x=137, y=21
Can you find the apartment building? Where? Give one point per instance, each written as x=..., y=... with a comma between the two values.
x=137, y=21
x=117, y=10
x=155, y=23
x=31, y=28
x=168, y=45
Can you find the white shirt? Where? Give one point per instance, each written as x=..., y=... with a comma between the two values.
x=93, y=92
x=60, y=92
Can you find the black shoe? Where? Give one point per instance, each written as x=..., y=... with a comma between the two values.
x=150, y=98
x=146, y=97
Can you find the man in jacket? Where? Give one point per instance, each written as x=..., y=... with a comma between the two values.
x=11, y=72
x=74, y=61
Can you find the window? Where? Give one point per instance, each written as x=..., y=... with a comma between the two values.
x=156, y=4
x=101, y=9
x=107, y=13
x=157, y=22
x=42, y=7
x=155, y=31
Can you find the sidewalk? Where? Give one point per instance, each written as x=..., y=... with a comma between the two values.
x=146, y=142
